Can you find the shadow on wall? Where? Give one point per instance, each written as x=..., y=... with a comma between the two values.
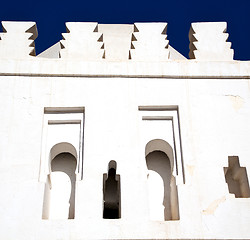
x=162, y=189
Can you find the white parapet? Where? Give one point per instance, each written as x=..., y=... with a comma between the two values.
x=149, y=42
x=82, y=41
x=17, y=39
x=208, y=41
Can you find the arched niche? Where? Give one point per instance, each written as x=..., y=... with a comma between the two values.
x=59, y=196
x=162, y=189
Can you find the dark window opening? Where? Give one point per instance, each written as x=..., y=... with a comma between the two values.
x=111, y=193
x=236, y=178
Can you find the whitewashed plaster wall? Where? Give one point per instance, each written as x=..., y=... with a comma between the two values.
x=213, y=100
x=213, y=118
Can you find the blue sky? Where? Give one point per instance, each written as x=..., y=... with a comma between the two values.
x=51, y=16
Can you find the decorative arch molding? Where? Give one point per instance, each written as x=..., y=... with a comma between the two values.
x=61, y=160
x=160, y=129
x=63, y=131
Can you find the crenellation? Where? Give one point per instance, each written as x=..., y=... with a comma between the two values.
x=208, y=41
x=17, y=39
x=82, y=41
x=149, y=42
x=117, y=41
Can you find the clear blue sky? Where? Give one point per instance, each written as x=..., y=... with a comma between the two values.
x=51, y=16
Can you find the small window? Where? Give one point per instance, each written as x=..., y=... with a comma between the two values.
x=236, y=178
x=111, y=193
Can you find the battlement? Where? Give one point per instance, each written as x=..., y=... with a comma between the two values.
x=208, y=41
x=90, y=41
x=17, y=39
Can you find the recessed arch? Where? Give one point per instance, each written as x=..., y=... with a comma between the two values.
x=162, y=189
x=163, y=146
x=59, y=196
x=62, y=147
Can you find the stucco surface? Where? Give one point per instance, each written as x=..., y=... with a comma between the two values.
x=200, y=108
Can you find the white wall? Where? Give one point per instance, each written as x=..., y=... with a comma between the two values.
x=214, y=116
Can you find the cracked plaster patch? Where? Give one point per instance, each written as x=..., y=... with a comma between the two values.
x=237, y=101
x=190, y=169
x=213, y=206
